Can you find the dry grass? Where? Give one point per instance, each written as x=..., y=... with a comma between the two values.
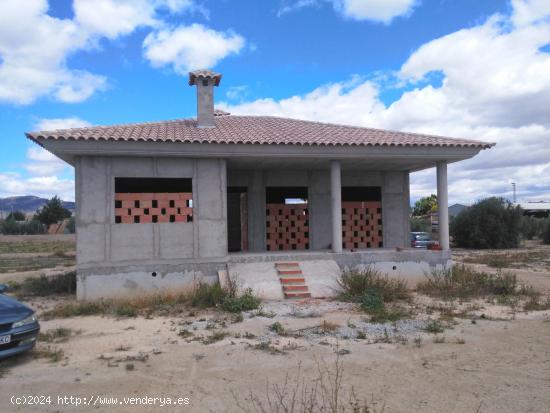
x=16, y=247
x=510, y=259
x=215, y=337
x=355, y=283
x=371, y=290
x=166, y=303
x=57, y=335
x=45, y=286
x=52, y=354
x=464, y=282
x=20, y=264
x=535, y=303
x=324, y=393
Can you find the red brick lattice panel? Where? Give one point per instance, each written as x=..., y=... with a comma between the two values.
x=361, y=225
x=287, y=227
x=144, y=208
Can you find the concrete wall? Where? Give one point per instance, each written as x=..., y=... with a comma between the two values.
x=127, y=259
x=133, y=252
x=409, y=265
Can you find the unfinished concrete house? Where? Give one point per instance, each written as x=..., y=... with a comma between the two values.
x=281, y=204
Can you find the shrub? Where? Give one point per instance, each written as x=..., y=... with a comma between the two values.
x=420, y=224
x=245, y=302
x=44, y=286
x=546, y=233
x=354, y=284
x=434, y=327
x=202, y=296
x=277, y=328
x=71, y=226
x=207, y=295
x=53, y=211
x=465, y=282
x=12, y=227
x=490, y=223
x=425, y=206
x=532, y=227
x=16, y=216
x=371, y=290
x=326, y=391
x=372, y=301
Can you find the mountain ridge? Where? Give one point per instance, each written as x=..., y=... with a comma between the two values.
x=28, y=204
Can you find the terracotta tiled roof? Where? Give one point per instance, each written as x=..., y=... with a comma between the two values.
x=264, y=130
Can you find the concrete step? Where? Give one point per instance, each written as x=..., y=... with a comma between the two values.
x=289, y=272
x=286, y=264
x=293, y=280
x=289, y=288
x=297, y=295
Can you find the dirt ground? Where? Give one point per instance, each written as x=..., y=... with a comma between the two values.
x=31, y=255
x=492, y=359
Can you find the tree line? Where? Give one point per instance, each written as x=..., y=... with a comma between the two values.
x=52, y=212
x=490, y=223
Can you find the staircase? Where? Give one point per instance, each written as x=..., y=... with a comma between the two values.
x=292, y=280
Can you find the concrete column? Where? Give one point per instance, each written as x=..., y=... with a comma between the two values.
x=336, y=204
x=443, y=205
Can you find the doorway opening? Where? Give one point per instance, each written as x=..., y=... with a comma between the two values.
x=237, y=219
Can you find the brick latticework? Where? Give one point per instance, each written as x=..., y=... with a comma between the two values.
x=361, y=225
x=287, y=227
x=144, y=208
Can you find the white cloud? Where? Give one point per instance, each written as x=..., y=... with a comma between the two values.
x=60, y=123
x=13, y=184
x=40, y=162
x=495, y=87
x=383, y=11
x=115, y=18
x=190, y=47
x=529, y=11
x=33, y=51
x=237, y=92
x=34, y=46
x=43, y=167
x=376, y=10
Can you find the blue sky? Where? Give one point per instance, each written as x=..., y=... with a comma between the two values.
x=468, y=68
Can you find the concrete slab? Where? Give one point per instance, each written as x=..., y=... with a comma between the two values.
x=261, y=277
x=320, y=276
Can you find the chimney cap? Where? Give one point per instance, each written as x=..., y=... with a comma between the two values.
x=195, y=75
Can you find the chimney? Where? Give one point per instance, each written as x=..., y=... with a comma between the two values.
x=205, y=80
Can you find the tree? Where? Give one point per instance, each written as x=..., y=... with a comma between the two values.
x=489, y=223
x=16, y=216
x=546, y=233
x=425, y=206
x=52, y=212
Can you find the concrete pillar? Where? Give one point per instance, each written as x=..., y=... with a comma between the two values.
x=336, y=204
x=443, y=205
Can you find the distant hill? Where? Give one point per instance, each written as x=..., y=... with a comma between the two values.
x=27, y=204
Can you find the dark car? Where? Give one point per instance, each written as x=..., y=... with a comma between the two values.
x=18, y=326
x=423, y=240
